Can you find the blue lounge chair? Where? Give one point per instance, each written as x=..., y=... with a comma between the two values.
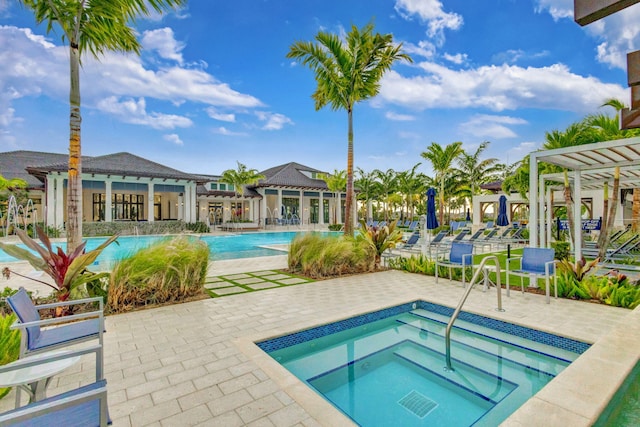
x=459, y=256
x=535, y=262
x=35, y=339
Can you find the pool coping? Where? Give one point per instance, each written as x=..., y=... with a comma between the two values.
x=576, y=397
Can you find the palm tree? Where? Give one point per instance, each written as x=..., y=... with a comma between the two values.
x=9, y=183
x=336, y=183
x=411, y=186
x=368, y=189
x=348, y=72
x=442, y=160
x=96, y=26
x=388, y=185
x=241, y=177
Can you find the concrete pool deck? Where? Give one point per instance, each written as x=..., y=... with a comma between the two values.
x=196, y=364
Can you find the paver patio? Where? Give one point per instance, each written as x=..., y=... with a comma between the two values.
x=195, y=364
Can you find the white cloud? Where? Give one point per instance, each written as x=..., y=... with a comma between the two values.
x=274, y=121
x=489, y=126
x=224, y=131
x=423, y=48
x=458, y=58
x=558, y=9
x=223, y=117
x=432, y=13
x=399, y=117
x=163, y=42
x=36, y=67
x=173, y=138
x=134, y=112
x=498, y=88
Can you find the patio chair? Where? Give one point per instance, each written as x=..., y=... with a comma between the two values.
x=84, y=406
x=623, y=251
x=413, y=225
x=535, y=262
x=459, y=256
x=35, y=339
x=411, y=241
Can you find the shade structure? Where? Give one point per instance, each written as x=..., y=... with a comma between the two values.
x=468, y=218
x=502, y=212
x=432, y=221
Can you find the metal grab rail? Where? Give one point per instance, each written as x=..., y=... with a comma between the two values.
x=447, y=336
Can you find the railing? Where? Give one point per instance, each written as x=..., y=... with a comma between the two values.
x=481, y=269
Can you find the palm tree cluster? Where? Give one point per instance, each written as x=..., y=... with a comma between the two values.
x=457, y=176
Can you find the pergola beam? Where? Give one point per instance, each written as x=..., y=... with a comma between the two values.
x=587, y=11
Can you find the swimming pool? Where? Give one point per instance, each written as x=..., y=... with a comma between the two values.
x=386, y=368
x=624, y=408
x=248, y=245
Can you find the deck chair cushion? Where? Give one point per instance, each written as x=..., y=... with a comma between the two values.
x=23, y=307
x=83, y=414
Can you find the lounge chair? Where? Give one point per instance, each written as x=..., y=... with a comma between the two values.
x=413, y=225
x=459, y=256
x=535, y=262
x=35, y=339
x=625, y=250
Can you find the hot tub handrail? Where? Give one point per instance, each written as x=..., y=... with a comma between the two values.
x=447, y=336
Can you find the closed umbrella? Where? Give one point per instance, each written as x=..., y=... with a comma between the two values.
x=432, y=221
x=502, y=212
x=468, y=218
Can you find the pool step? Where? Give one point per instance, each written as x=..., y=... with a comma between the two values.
x=480, y=351
x=535, y=346
x=487, y=386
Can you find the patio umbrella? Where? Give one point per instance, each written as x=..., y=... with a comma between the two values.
x=502, y=212
x=468, y=218
x=432, y=221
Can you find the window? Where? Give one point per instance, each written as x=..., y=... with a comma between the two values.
x=128, y=207
x=222, y=186
x=98, y=207
x=214, y=185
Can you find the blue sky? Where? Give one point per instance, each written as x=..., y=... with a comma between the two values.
x=213, y=85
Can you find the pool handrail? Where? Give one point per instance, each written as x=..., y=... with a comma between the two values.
x=447, y=336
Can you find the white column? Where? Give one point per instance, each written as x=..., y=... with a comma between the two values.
x=549, y=211
x=279, y=207
x=50, y=201
x=543, y=226
x=301, y=205
x=180, y=208
x=108, y=207
x=533, y=206
x=194, y=205
x=59, y=202
x=338, y=205
x=577, y=210
x=263, y=207
x=321, y=209
x=151, y=195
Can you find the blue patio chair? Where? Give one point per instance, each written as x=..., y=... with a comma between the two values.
x=83, y=407
x=535, y=262
x=411, y=241
x=459, y=256
x=489, y=224
x=413, y=225
x=406, y=223
x=35, y=339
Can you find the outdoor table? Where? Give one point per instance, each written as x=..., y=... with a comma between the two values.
x=36, y=378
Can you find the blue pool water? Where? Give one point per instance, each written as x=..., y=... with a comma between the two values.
x=387, y=368
x=221, y=247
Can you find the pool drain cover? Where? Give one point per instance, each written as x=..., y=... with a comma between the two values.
x=418, y=404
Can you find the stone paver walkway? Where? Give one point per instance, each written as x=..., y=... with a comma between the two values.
x=246, y=282
x=196, y=364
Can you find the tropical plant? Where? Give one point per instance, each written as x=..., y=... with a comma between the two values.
x=8, y=183
x=348, y=72
x=240, y=177
x=474, y=172
x=336, y=183
x=319, y=256
x=577, y=270
x=380, y=238
x=411, y=187
x=442, y=160
x=9, y=344
x=97, y=26
x=67, y=269
x=368, y=189
x=167, y=271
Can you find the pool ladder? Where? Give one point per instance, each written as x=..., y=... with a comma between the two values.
x=481, y=269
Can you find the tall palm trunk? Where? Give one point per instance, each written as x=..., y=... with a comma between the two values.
x=348, y=222
x=74, y=182
x=569, y=204
x=635, y=211
x=441, y=211
x=613, y=207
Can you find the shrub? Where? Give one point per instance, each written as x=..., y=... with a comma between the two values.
x=9, y=344
x=561, y=250
x=102, y=228
x=335, y=227
x=197, y=227
x=380, y=238
x=168, y=271
x=319, y=256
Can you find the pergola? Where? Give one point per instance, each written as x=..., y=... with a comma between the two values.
x=591, y=166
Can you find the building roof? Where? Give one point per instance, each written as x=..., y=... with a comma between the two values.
x=292, y=175
x=201, y=190
x=124, y=164
x=495, y=186
x=14, y=164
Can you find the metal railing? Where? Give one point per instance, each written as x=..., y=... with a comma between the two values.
x=481, y=269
